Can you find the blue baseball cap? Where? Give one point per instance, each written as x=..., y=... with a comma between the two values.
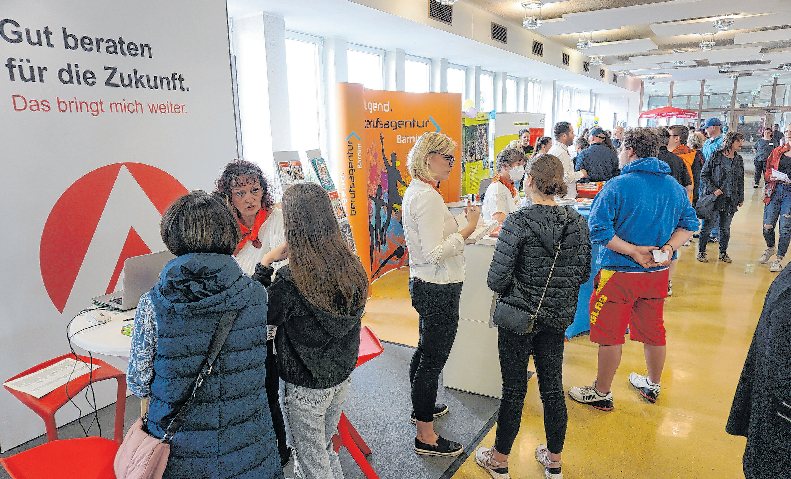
x=597, y=132
x=712, y=122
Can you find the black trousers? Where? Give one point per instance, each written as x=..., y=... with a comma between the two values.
x=438, y=308
x=760, y=166
x=272, y=385
x=546, y=347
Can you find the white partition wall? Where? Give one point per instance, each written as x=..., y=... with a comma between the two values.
x=127, y=107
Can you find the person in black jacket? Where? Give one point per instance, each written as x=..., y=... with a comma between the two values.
x=761, y=408
x=543, y=255
x=723, y=176
x=316, y=301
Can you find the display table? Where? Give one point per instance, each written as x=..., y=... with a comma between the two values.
x=103, y=338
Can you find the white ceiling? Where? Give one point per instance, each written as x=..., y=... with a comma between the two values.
x=366, y=26
x=645, y=37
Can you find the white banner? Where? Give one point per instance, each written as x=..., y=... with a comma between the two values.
x=109, y=111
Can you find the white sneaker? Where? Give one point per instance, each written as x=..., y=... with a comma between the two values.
x=776, y=267
x=542, y=456
x=591, y=396
x=767, y=255
x=485, y=458
x=644, y=386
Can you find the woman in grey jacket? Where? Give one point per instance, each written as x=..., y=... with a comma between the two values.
x=543, y=255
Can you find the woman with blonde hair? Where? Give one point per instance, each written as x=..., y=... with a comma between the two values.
x=436, y=272
x=316, y=302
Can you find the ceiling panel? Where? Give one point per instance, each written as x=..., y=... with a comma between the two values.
x=621, y=48
x=779, y=35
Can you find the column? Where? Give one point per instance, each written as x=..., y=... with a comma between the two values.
x=439, y=75
x=336, y=70
x=474, y=86
x=499, y=91
x=394, y=70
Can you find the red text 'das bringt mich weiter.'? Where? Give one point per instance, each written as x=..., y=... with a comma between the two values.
x=21, y=103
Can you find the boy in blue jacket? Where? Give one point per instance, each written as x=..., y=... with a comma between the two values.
x=637, y=216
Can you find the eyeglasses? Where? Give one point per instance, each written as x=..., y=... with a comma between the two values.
x=449, y=158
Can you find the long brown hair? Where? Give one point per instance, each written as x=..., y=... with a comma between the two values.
x=324, y=269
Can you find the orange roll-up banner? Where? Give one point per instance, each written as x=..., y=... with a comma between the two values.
x=378, y=129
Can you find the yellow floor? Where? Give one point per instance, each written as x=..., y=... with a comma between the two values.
x=710, y=321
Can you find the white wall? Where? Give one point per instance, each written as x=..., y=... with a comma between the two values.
x=48, y=151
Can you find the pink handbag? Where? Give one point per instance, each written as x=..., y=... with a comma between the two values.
x=141, y=455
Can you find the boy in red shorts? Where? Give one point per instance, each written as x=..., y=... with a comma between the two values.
x=641, y=217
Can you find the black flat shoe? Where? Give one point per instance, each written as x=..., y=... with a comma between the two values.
x=444, y=447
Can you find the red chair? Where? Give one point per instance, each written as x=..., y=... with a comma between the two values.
x=82, y=458
x=347, y=436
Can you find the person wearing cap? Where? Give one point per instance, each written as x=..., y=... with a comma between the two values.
x=713, y=127
x=599, y=160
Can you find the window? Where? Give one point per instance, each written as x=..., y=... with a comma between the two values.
x=416, y=75
x=487, y=92
x=534, y=90
x=304, y=93
x=457, y=81
x=510, y=94
x=365, y=66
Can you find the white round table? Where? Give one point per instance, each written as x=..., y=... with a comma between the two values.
x=104, y=338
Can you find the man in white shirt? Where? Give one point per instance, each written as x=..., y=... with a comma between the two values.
x=564, y=137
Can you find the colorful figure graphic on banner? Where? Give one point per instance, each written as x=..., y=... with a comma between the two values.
x=325, y=180
x=387, y=243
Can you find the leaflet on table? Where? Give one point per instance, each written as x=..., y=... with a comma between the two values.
x=42, y=382
x=482, y=230
x=779, y=176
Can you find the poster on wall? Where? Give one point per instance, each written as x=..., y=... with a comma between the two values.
x=508, y=125
x=475, y=153
x=379, y=128
x=111, y=117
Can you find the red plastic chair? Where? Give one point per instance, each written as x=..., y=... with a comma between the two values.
x=347, y=436
x=82, y=458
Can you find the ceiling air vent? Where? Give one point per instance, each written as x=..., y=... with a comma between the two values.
x=586, y=66
x=566, y=59
x=601, y=72
x=538, y=48
x=439, y=12
x=499, y=33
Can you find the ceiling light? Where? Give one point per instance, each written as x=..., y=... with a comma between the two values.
x=532, y=21
x=596, y=60
x=583, y=44
x=678, y=63
x=707, y=43
x=723, y=24
x=447, y=2
x=531, y=4
x=725, y=68
x=787, y=67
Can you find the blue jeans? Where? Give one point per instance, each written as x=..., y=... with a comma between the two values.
x=312, y=417
x=723, y=220
x=515, y=350
x=438, y=309
x=778, y=208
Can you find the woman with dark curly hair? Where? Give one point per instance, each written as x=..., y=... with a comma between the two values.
x=723, y=176
x=243, y=185
x=543, y=255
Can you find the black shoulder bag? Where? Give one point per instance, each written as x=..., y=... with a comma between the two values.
x=515, y=319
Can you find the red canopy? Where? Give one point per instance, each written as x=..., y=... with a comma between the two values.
x=668, y=112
